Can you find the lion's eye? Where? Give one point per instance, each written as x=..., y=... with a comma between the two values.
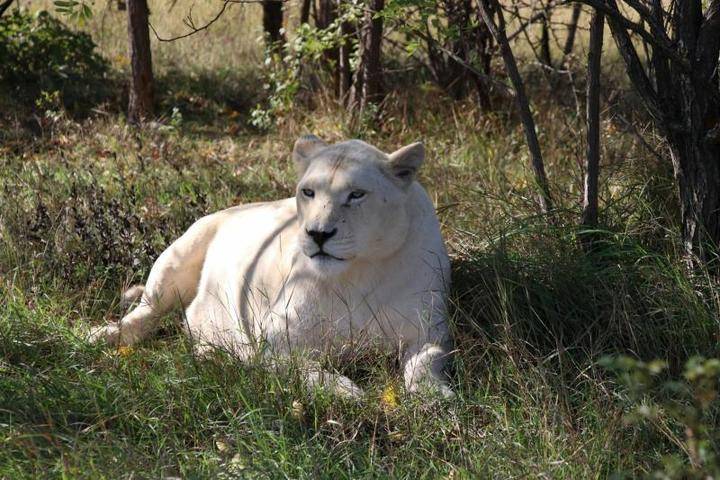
x=308, y=193
x=356, y=195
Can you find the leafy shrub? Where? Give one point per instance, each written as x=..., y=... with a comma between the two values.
x=681, y=410
x=96, y=232
x=39, y=53
x=304, y=63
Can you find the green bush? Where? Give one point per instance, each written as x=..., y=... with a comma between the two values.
x=682, y=412
x=39, y=53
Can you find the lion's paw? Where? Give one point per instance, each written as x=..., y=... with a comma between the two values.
x=108, y=334
x=430, y=388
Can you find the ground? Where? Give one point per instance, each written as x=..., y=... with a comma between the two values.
x=88, y=202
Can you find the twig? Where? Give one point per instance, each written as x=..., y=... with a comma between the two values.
x=189, y=22
x=530, y=21
x=641, y=138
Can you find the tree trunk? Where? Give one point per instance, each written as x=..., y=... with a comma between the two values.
x=571, y=31
x=273, y=22
x=592, y=166
x=696, y=161
x=141, y=86
x=305, y=11
x=458, y=19
x=372, y=59
x=484, y=42
x=344, y=67
x=484, y=48
x=326, y=15
x=488, y=9
x=4, y=6
x=368, y=78
x=682, y=99
x=545, y=56
x=692, y=127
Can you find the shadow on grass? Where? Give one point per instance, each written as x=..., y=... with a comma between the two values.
x=199, y=104
x=210, y=102
x=560, y=305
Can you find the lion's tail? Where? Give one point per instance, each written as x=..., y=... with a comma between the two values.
x=132, y=294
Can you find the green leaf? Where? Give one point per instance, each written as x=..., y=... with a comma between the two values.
x=86, y=11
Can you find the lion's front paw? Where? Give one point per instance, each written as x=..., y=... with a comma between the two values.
x=431, y=388
x=446, y=392
x=346, y=388
x=109, y=334
x=339, y=385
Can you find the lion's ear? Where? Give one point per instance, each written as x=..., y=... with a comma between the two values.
x=405, y=163
x=305, y=148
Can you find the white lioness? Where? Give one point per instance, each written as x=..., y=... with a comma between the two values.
x=355, y=259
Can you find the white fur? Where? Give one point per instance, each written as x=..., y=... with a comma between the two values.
x=248, y=280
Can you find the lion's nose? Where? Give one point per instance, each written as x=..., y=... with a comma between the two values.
x=320, y=236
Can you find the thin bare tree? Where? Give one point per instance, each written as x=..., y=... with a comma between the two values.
x=592, y=160
x=490, y=9
x=572, y=31
x=545, y=55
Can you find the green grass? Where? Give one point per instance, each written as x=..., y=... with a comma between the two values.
x=87, y=204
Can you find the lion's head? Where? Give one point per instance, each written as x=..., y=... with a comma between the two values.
x=352, y=201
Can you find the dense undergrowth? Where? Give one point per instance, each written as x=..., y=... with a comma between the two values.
x=87, y=203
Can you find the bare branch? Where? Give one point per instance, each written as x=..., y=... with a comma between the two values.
x=616, y=17
x=634, y=66
x=535, y=18
x=572, y=30
x=190, y=22
x=648, y=16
